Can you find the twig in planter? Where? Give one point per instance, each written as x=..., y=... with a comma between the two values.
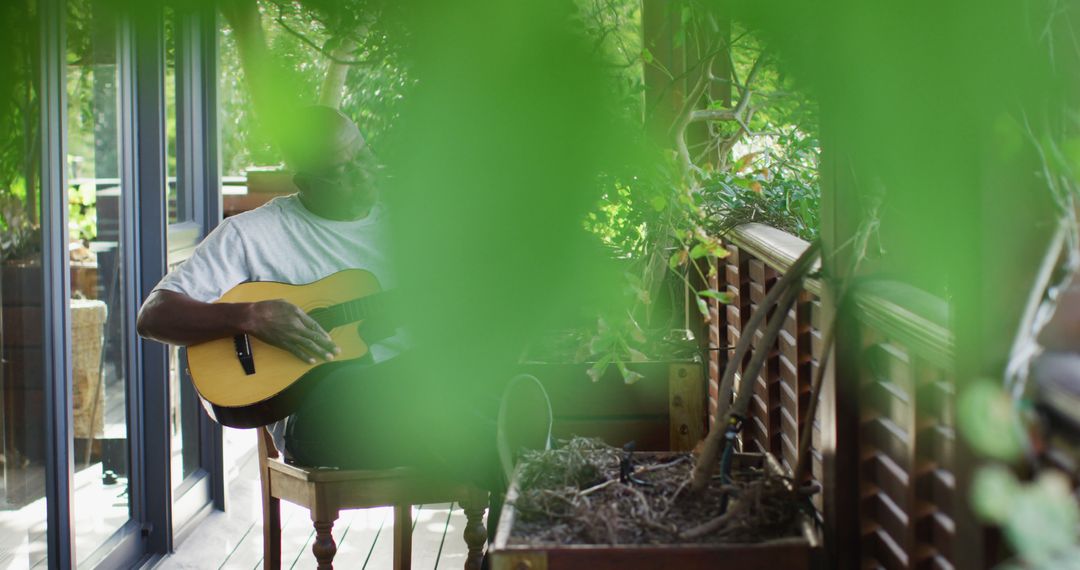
x=659, y=466
x=710, y=451
x=638, y=471
x=708, y=527
x=674, y=497
x=596, y=488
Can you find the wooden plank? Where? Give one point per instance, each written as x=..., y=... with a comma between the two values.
x=429, y=527
x=888, y=515
x=887, y=551
x=381, y=553
x=453, y=550
x=296, y=532
x=760, y=272
x=361, y=534
x=687, y=407
x=757, y=292
x=732, y=276
x=305, y=557
x=885, y=436
x=886, y=398
x=886, y=474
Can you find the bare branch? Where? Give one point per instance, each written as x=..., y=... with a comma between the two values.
x=280, y=19
x=709, y=56
x=686, y=117
x=713, y=115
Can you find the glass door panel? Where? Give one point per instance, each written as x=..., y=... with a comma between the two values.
x=183, y=407
x=98, y=350
x=22, y=382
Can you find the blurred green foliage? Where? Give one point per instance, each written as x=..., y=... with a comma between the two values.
x=1039, y=518
x=757, y=163
x=987, y=416
x=298, y=35
x=19, y=136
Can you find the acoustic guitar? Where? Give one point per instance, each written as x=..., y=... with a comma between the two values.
x=244, y=382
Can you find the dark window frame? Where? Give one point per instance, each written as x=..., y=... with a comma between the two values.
x=144, y=236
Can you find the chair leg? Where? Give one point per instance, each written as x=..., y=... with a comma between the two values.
x=271, y=507
x=324, y=547
x=475, y=534
x=402, y=537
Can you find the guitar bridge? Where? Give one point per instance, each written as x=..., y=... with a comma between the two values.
x=244, y=354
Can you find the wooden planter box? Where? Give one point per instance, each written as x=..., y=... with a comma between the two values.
x=795, y=553
x=664, y=411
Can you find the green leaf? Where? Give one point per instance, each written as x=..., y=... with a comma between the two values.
x=702, y=307
x=629, y=376
x=646, y=55
x=677, y=259
x=988, y=419
x=596, y=371
x=1043, y=518
x=658, y=203
x=714, y=294
x=698, y=251
x=993, y=492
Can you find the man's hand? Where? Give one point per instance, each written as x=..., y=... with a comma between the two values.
x=286, y=326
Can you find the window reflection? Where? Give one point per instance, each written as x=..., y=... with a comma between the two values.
x=184, y=409
x=22, y=387
x=98, y=371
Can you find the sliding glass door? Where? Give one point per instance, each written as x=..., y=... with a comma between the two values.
x=103, y=449
x=99, y=301
x=23, y=438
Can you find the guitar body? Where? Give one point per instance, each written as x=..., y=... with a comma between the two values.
x=236, y=398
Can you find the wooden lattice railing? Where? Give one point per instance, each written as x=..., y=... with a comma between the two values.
x=904, y=443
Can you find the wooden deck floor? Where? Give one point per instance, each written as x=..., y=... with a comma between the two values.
x=233, y=539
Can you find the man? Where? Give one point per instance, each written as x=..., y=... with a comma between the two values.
x=359, y=415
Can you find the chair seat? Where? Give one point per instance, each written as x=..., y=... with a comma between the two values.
x=341, y=489
x=328, y=474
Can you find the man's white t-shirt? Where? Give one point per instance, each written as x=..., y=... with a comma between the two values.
x=282, y=241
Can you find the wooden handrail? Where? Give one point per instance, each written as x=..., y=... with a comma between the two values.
x=913, y=317
x=899, y=310
x=777, y=248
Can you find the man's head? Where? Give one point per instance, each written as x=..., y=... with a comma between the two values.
x=334, y=169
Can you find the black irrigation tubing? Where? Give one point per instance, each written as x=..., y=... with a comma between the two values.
x=742, y=399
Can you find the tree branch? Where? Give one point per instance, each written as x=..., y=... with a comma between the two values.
x=280, y=19
x=333, y=87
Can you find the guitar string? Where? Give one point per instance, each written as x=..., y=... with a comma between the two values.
x=343, y=313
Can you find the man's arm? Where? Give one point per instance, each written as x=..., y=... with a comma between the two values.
x=175, y=318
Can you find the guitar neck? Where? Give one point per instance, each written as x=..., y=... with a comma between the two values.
x=350, y=311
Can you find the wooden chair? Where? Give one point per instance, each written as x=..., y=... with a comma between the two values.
x=325, y=492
